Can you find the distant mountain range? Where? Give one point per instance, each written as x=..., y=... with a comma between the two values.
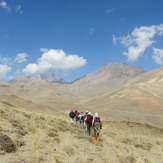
x=104, y=80
x=50, y=78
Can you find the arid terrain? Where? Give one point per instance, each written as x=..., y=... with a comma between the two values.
x=35, y=127
x=35, y=137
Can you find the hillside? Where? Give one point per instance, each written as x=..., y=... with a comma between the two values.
x=31, y=137
x=140, y=100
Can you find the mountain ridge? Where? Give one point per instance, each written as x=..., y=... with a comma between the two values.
x=107, y=78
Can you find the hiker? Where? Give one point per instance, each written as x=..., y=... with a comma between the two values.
x=88, y=120
x=97, y=126
x=81, y=119
x=72, y=115
x=77, y=116
x=86, y=113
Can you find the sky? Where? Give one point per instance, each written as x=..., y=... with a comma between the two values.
x=73, y=38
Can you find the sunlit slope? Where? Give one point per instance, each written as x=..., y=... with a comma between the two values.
x=31, y=137
x=34, y=89
x=141, y=99
x=38, y=106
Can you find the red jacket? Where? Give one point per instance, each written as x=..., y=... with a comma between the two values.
x=77, y=114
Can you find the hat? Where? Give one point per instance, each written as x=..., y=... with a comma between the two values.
x=96, y=114
x=89, y=113
x=86, y=111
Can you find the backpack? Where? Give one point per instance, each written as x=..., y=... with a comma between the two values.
x=82, y=117
x=97, y=124
x=77, y=115
x=89, y=119
x=72, y=114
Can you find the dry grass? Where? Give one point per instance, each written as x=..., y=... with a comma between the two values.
x=30, y=137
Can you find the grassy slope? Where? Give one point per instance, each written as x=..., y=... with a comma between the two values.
x=32, y=137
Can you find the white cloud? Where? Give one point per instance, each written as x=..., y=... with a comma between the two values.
x=6, y=61
x=21, y=57
x=43, y=49
x=4, y=5
x=18, y=9
x=56, y=59
x=158, y=56
x=108, y=11
x=160, y=29
x=139, y=40
x=4, y=69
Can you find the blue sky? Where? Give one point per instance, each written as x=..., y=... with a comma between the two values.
x=76, y=37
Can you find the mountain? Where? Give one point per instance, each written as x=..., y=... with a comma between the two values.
x=140, y=99
x=107, y=78
x=110, y=72
x=52, y=78
x=3, y=84
x=51, y=87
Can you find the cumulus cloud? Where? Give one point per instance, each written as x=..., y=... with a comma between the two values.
x=21, y=57
x=54, y=59
x=139, y=40
x=158, y=56
x=4, y=5
x=4, y=69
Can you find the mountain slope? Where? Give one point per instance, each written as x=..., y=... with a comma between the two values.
x=107, y=78
x=32, y=137
x=109, y=72
x=52, y=78
x=141, y=99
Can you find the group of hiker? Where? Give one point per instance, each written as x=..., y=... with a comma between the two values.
x=88, y=122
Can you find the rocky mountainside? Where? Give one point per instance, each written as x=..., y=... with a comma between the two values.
x=106, y=79
x=110, y=72
x=52, y=78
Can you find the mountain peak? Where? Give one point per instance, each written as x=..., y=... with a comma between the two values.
x=52, y=78
x=119, y=70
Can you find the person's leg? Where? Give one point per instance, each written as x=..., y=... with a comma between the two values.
x=95, y=136
x=98, y=137
x=88, y=130
x=82, y=124
x=90, y=126
x=71, y=120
